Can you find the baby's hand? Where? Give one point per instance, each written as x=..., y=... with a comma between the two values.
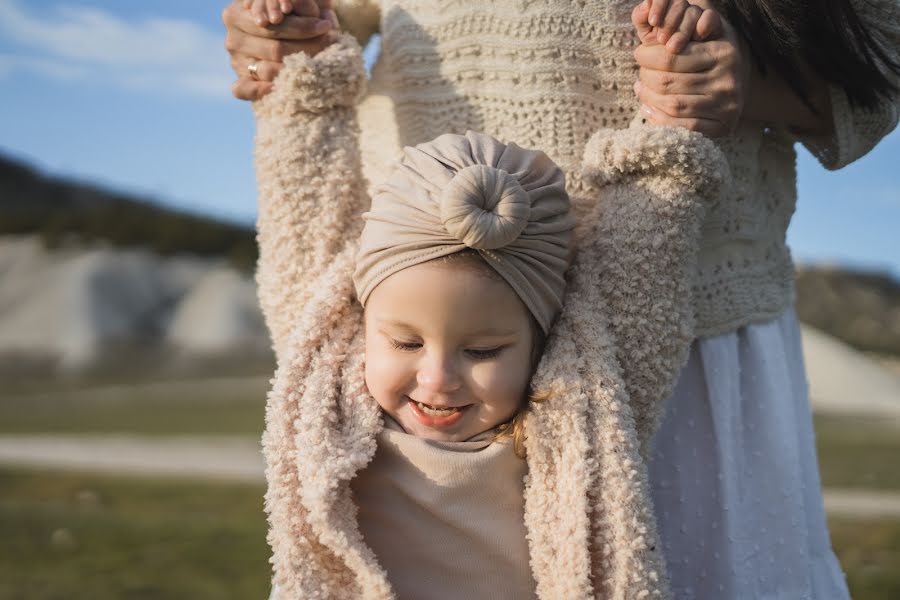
x=271, y=12
x=675, y=23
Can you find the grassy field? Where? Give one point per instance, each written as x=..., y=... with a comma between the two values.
x=190, y=406
x=74, y=536
x=851, y=453
x=869, y=551
x=854, y=454
x=70, y=536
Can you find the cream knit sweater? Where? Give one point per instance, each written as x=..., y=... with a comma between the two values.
x=610, y=360
x=446, y=519
x=548, y=75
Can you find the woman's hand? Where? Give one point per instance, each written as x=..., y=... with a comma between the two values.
x=703, y=88
x=307, y=29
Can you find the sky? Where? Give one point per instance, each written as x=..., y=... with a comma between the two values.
x=136, y=96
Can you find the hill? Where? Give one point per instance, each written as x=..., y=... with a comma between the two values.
x=58, y=209
x=862, y=309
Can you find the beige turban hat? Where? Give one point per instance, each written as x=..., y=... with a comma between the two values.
x=471, y=191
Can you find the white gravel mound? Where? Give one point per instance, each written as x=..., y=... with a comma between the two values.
x=219, y=314
x=70, y=304
x=845, y=382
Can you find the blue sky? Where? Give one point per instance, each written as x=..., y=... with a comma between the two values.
x=136, y=96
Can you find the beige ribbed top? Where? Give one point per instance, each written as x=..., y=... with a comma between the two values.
x=548, y=75
x=446, y=519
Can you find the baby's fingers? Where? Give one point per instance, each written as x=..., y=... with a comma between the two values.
x=709, y=26
x=656, y=12
x=259, y=11
x=686, y=30
x=275, y=11
x=671, y=20
x=641, y=25
x=308, y=8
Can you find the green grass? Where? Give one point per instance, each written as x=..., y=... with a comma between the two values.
x=73, y=536
x=199, y=406
x=858, y=454
x=70, y=536
x=869, y=552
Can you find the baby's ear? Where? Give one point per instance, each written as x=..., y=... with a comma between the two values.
x=686, y=159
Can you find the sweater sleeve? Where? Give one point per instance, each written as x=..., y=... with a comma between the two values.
x=360, y=18
x=656, y=184
x=857, y=129
x=310, y=184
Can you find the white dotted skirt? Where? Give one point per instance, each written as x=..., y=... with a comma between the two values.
x=734, y=474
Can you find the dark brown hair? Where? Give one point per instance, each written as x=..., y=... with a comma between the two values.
x=829, y=36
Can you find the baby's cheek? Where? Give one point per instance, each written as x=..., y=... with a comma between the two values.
x=502, y=383
x=382, y=381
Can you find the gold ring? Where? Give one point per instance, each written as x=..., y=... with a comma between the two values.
x=254, y=70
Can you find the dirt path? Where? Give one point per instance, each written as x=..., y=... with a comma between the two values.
x=237, y=458
x=232, y=458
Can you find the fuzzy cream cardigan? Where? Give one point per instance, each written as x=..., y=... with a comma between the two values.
x=611, y=358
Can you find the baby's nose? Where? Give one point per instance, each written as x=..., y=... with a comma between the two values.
x=438, y=374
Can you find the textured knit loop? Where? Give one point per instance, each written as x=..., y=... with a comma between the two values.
x=459, y=191
x=484, y=208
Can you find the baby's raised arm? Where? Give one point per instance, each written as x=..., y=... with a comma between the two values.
x=657, y=184
x=311, y=189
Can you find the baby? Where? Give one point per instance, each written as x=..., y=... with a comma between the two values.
x=417, y=328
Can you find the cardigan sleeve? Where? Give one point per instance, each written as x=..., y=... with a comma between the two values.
x=309, y=178
x=858, y=129
x=655, y=186
x=360, y=18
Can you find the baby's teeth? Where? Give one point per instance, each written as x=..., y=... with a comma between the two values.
x=436, y=411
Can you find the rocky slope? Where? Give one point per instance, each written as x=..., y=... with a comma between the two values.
x=92, y=278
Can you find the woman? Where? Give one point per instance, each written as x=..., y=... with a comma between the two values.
x=733, y=467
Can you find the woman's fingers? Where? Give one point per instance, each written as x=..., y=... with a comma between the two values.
x=695, y=58
x=676, y=105
x=265, y=70
x=707, y=127
x=249, y=89
x=664, y=82
x=240, y=43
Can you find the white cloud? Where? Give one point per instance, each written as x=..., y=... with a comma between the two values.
x=83, y=43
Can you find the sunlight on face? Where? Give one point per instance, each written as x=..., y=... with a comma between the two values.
x=447, y=336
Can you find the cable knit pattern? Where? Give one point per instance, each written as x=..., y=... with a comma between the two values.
x=548, y=75
x=590, y=526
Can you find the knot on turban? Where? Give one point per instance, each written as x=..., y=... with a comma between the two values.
x=456, y=192
x=484, y=208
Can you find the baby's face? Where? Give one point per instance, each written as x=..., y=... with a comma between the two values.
x=447, y=337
